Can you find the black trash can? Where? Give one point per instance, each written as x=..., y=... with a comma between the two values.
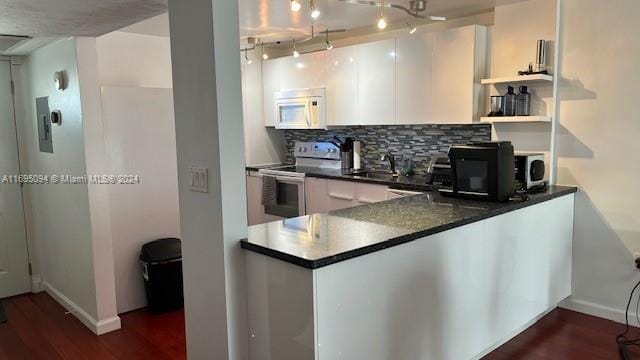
x=162, y=272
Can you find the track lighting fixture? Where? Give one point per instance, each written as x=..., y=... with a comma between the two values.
x=246, y=57
x=329, y=45
x=315, y=13
x=412, y=29
x=295, y=51
x=265, y=56
x=382, y=23
x=295, y=5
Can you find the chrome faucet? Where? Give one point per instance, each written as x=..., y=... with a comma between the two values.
x=392, y=162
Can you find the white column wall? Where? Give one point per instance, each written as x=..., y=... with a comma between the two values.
x=209, y=133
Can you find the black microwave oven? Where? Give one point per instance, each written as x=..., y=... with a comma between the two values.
x=483, y=171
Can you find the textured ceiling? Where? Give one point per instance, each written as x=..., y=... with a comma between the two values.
x=268, y=19
x=50, y=18
x=272, y=20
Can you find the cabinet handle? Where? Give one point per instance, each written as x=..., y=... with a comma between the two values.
x=341, y=197
x=366, y=201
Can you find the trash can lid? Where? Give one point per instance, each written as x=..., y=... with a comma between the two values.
x=161, y=250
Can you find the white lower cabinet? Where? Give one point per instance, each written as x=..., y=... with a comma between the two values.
x=370, y=193
x=255, y=210
x=325, y=195
x=316, y=195
x=341, y=194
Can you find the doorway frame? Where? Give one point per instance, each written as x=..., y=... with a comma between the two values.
x=36, y=280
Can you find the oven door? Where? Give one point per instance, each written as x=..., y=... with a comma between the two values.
x=290, y=201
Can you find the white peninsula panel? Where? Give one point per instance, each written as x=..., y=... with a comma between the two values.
x=455, y=294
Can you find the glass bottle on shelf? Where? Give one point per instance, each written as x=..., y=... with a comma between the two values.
x=510, y=102
x=523, y=102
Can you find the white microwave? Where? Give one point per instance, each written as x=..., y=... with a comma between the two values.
x=300, y=109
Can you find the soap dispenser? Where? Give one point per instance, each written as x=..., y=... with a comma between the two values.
x=523, y=102
x=510, y=102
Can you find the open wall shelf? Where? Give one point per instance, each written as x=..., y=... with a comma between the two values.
x=537, y=78
x=515, y=119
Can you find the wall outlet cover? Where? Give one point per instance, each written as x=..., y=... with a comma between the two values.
x=198, y=179
x=636, y=255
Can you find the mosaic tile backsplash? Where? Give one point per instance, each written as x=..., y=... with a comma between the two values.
x=419, y=141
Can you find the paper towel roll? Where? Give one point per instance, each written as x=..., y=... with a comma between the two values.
x=356, y=155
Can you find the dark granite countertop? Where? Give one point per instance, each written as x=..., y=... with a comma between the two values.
x=416, y=182
x=263, y=166
x=318, y=240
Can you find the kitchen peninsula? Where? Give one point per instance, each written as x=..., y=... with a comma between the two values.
x=419, y=277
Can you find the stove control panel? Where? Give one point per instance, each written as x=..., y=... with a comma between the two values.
x=316, y=150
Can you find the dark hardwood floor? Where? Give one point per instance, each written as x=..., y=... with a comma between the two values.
x=39, y=329
x=563, y=335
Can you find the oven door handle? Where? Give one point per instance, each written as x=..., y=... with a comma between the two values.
x=299, y=180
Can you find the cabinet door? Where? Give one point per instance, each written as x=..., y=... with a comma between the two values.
x=255, y=210
x=377, y=82
x=316, y=196
x=342, y=194
x=304, y=72
x=370, y=193
x=342, y=86
x=413, y=78
x=453, y=76
x=271, y=72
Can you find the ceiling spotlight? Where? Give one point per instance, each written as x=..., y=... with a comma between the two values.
x=295, y=52
x=412, y=29
x=295, y=5
x=265, y=56
x=315, y=13
x=246, y=57
x=382, y=23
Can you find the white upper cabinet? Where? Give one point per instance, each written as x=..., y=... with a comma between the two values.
x=377, y=83
x=271, y=73
x=459, y=61
x=342, y=86
x=304, y=72
x=428, y=78
x=413, y=78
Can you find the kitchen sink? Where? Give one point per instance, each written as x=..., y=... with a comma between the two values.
x=372, y=174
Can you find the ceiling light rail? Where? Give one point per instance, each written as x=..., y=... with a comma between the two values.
x=416, y=7
x=253, y=43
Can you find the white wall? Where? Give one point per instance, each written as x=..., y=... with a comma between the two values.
x=209, y=133
x=96, y=163
x=134, y=71
x=141, y=140
x=60, y=214
x=597, y=146
x=128, y=59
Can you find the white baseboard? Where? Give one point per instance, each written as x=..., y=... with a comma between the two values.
x=36, y=284
x=598, y=310
x=98, y=327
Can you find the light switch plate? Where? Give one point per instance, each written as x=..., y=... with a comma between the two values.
x=198, y=179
